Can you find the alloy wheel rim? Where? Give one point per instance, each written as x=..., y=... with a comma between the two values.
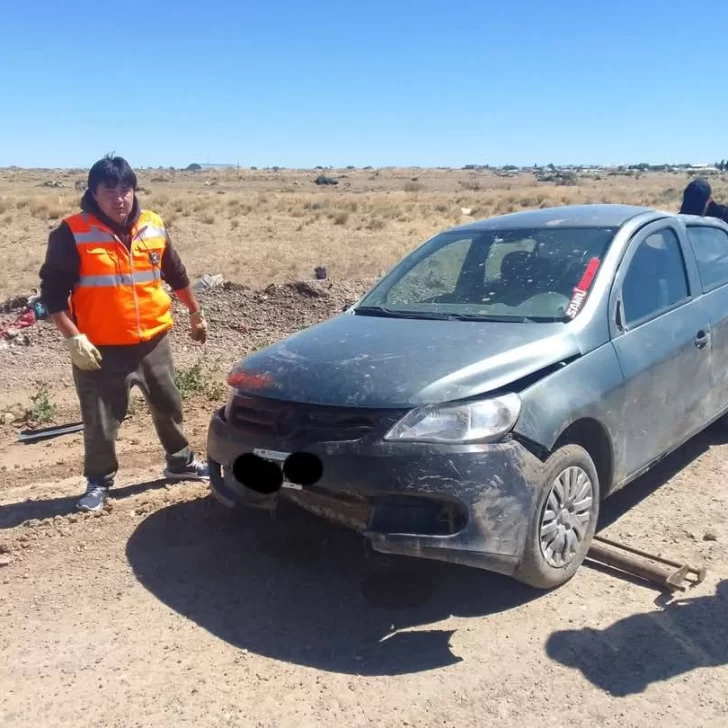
x=566, y=516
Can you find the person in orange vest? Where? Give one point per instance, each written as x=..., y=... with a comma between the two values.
x=102, y=284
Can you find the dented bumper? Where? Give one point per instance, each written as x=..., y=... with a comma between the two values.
x=467, y=504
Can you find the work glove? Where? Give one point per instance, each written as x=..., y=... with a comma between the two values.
x=84, y=354
x=198, y=327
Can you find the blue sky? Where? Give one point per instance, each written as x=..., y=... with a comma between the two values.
x=365, y=83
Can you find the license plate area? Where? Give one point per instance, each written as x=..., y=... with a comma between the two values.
x=277, y=457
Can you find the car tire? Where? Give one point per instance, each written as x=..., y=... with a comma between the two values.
x=569, y=475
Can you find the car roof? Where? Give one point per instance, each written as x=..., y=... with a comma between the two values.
x=595, y=215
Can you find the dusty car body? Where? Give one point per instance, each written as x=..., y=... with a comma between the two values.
x=478, y=403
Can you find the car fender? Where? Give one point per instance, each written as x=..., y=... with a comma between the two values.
x=591, y=386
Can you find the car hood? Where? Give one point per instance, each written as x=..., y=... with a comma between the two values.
x=366, y=361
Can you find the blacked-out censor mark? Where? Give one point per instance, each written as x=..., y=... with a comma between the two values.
x=303, y=468
x=267, y=477
x=258, y=474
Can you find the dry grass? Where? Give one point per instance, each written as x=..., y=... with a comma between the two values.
x=263, y=226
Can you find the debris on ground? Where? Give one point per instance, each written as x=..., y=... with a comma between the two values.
x=10, y=332
x=208, y=282
x=15, y=303
x=52, y=183
x=22, y=303
x=241, y=319
x=28, y=310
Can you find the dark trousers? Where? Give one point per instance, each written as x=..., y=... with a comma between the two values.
x=104, y=400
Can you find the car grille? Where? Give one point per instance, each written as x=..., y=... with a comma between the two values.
x=311, y=423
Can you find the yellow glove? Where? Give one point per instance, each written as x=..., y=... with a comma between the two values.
x=84, y=354
x=198, y=327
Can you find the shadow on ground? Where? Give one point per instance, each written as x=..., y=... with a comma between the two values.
x=642, y=649
x=15, y=514
x=303, y=591
x=617, y=505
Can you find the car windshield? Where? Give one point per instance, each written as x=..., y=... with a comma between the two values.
x=502, y=275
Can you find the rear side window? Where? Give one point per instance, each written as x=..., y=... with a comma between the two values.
x=711, y=253
x=656, y=279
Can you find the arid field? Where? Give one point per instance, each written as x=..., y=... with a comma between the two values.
x=257, y=227
x=165, y=610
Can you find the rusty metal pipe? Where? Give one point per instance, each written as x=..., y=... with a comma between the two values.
x=647, y=571
x=673, y=580
x=631, y=549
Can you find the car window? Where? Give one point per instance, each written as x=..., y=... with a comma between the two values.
x=711, y=253
x=436, y=275
x=656, y=279
x=517, y=275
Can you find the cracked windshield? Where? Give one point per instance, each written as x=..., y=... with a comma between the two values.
x=510, y=275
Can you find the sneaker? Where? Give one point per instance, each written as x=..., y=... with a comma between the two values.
x=194, y=471
x=94, y=499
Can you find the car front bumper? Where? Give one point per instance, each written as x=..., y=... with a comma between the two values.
x=466, y=504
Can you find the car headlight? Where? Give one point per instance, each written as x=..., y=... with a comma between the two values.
x=481, y=421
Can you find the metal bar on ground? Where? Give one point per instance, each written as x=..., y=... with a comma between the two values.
x=645, y=568
x=46, y=433
x=633, y=550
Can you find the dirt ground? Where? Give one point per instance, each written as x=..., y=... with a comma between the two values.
x=168, y=610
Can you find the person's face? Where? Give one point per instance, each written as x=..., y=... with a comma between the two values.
x=115, y=202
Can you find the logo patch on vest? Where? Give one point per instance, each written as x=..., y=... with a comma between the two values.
x=154, y=258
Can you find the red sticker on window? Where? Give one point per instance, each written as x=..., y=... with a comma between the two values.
x=579, y=295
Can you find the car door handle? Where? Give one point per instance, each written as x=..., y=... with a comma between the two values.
x=702, y=338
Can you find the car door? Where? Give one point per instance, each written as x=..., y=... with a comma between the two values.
x=710, y=246
x=661, y=334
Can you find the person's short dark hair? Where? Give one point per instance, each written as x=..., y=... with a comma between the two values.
x=696, y=194
x=111, y=171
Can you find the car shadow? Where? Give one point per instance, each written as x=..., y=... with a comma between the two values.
x=618, y=504
x=15, y=514
x=301, y=590
x=304, y=591
x=642, y=649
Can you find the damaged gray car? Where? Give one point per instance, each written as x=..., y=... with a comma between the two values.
x=480, y=401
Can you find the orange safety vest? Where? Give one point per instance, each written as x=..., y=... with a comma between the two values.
x=120, y=298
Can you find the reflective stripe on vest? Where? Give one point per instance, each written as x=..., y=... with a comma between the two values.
x=149, y=231
x=97, y=236
x=124, y=279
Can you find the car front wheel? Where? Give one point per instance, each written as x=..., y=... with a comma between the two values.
x=564, y=522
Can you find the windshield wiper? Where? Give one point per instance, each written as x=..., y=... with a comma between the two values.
x=390, y=313
x=503, y=319
x=451, y=316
